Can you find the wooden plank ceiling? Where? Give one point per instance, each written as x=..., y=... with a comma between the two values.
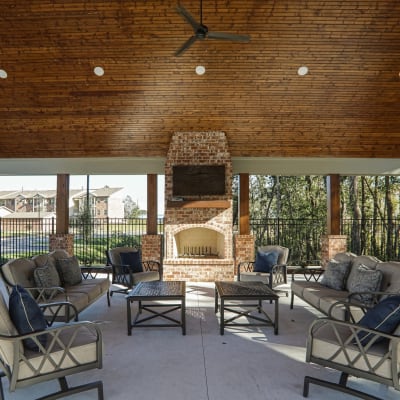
x=53, y=105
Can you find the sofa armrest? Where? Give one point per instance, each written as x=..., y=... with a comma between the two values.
x=90, y=272
x=53, y=311
x=46, y=294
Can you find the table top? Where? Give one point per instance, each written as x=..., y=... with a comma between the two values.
x=158, y=289
x=239, y=289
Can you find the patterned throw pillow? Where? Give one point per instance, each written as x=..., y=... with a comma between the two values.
x=335, y=274
x=46, y=276
x=365, y=279
x=69, y=271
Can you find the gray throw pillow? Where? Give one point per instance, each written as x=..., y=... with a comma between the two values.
x=335, y=274
x=69, y=271
x=365, y=279
x=46, y=276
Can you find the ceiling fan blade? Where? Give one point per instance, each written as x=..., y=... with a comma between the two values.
x=187, y=17
x=228, y=36
x=185, y=46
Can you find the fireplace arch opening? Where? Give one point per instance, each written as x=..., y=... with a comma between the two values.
x=199, y=242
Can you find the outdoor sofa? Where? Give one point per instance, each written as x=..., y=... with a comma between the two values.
x=56, y=277
x=349, y=278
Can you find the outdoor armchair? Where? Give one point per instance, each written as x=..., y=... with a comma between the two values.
x=274, y=274
x=54, y=352
x=128, y=269
x=357, y=349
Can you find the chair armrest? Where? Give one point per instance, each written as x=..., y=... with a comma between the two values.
x=345, y=335
x=350, y=308
x=245, y=266
x=56, y=343
x=153, y=265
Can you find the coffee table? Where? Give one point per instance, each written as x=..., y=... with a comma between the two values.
x=172, y=293
x=231, y=296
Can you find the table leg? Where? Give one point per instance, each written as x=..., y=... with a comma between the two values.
x=276, y=321
x=222, y=317
x=183, y=316
x=216, y=300
x=128, y=316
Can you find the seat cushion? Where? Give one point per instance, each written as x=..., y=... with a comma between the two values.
x=27, y=316
x=146, y=276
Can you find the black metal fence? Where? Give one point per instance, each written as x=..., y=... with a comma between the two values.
x=27, y=237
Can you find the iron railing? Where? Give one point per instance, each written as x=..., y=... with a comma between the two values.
x=27, y=237
x=22, y=237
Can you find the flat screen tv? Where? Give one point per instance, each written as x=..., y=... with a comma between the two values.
x=198, y=180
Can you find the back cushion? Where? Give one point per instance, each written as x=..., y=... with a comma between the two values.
x=20, y=271
x=115, y=254
x=283, y=252
x=367, y=261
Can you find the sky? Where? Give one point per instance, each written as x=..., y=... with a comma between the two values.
x=135, y=185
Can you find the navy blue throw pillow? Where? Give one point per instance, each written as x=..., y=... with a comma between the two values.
x=27, y=316
x=132, y=258
x=265, y=261
x=384, y=317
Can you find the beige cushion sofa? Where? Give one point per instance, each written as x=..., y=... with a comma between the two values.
x=81, y=294
x=322, y=297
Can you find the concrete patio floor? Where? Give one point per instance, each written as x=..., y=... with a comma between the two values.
x=246, y=363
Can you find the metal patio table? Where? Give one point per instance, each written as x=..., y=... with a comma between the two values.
x=232, y=296
x=173, y=295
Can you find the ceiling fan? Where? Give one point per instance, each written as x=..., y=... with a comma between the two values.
x=201, y=31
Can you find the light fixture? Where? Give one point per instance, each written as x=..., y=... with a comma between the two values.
x=303, y=70
x=99, y=71
x=200, y=70
x=3, y=74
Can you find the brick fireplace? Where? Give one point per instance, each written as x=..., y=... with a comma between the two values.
x=198, y=229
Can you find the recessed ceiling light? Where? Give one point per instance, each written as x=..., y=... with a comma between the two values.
x=302, y=70
x=99, y=71
x=3, y=74
x=200, y=70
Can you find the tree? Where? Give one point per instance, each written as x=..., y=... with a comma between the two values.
x=131, y=209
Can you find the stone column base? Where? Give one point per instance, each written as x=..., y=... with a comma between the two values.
x=331, y=245
x=63, y=241
x=244, y=249
x=151, y=247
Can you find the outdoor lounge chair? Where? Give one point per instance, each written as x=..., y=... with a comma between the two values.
x=128, y=269
x=53, y=353
x=277, y=274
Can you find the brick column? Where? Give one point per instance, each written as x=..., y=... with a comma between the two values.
x=63, y=241
x=151, y=247
x=331, y=245
x=244, y=249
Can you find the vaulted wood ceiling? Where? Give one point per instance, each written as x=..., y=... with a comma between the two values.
x=53, y=105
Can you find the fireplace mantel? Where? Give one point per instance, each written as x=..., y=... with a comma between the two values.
x=199, y=204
